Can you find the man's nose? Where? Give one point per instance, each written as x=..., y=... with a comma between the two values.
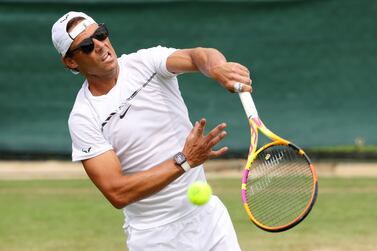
x=98, y=45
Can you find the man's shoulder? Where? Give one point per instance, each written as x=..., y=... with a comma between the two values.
x=152, y=58
x=81, y=107
x=146, y=52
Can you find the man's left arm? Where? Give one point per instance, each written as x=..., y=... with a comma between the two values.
x=211, y=63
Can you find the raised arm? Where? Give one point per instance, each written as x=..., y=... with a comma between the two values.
x=211, y=63
x=121, y=190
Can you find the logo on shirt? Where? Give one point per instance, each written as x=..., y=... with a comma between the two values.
x=126, y=103
x=121, y=116
x=86, y=150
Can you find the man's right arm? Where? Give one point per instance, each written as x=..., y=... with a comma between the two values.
x=121, y=190
x=212, y=63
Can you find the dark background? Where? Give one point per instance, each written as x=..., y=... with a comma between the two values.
x=313, y=65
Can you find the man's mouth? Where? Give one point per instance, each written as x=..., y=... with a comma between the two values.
x=106, y=57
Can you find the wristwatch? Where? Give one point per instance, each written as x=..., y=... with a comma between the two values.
x=180, y=160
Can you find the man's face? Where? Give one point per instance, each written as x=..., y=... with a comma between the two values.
x=102, y=60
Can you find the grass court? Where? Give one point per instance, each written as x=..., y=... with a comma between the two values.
x=41, y=215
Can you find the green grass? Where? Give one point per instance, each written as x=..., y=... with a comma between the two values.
x=72, y=215
x=357, y=148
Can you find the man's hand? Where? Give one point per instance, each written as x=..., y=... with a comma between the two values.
x=229, y=73
x=198, y=147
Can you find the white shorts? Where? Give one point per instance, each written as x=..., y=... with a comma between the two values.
x=209, y=228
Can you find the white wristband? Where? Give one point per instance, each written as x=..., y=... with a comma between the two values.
x=185, y=166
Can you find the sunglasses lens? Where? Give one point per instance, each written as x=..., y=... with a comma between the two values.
x=101, y=33
x=87, y=45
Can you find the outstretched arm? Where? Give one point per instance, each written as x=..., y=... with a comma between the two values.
x=211, y=63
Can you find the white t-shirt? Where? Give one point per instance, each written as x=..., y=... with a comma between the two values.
x=143, y=118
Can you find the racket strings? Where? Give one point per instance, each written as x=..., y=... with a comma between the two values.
x=270, y=199
x=279, y=185
x=276, y=216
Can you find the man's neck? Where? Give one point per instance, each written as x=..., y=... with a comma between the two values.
x=101, y=85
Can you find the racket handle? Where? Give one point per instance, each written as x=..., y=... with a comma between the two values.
x=248, y=104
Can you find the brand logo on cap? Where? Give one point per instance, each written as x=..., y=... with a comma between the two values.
x=65, y=18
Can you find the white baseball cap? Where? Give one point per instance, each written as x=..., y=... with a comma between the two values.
x=62, y=39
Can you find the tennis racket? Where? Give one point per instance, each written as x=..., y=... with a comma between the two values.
x=279, y=184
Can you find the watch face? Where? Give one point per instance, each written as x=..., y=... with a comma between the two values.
x=180, y=158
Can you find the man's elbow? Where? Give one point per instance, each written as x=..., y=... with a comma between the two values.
x=118, y=204
x=118, y=201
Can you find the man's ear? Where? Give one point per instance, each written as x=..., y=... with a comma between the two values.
x=70, y=63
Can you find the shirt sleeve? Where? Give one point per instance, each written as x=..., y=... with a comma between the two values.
x=159, y=55
x=87, y=138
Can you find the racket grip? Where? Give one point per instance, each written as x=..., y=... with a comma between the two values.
x=248, y=104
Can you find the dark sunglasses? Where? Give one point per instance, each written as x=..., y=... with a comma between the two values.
x=87, y=45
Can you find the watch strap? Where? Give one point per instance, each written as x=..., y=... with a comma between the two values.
x=185, y=166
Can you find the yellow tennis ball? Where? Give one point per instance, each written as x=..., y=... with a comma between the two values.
x=199, y=193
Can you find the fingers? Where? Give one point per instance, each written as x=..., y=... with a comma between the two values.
x=247, y=88
x=218, y=153
x=246, y=82
x=240, y=87
x=216, y=135
x=198, y=147
x=239, y=74
x=244, y=78
x=242, y=70
x=243, y=74
x=199, y=127
x=217, y=139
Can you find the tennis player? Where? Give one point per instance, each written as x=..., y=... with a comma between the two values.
x=131, y=130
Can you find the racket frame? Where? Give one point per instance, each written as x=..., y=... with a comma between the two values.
x=257, y=125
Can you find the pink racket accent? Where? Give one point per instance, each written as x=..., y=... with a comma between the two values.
x=257, y=121
x=245, y=175
x=244, y=196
